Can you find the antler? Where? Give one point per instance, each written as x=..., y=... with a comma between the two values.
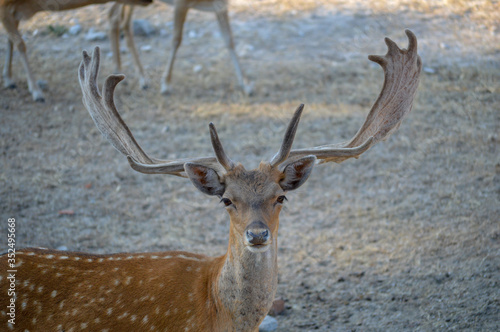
x=103, y=111
x=401, y=77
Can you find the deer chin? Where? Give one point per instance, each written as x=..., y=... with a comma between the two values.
x=258, y=248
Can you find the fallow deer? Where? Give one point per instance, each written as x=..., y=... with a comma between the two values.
x=120, y=18
x=181, y=291
x=13, y=11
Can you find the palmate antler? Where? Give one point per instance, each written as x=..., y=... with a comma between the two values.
x=402, y=70
x=401, y=67
x=103, y=111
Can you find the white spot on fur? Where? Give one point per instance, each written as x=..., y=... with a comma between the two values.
x=40, y=289
x=30, y=254
x=167, y=257
x=190, y=258
x=129, y=257
x=49, y=256
x=109, y=311
x=133, y=318
x=19, y=263
x=63, y=257
x=145, y=319
x=24, y=304
x=76, y=258
x=83, y=325
x=125, y=314
x=97, y=320
x=116, y=282
x=128, y=280
x=54, y=293
x=61, y=305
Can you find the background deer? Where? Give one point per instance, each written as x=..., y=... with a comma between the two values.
x=121, y=16
x=181, y=291
x=13, y=11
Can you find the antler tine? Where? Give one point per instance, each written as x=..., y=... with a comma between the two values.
x=222, y=158
x=286, y=146
x=402, y=69
x=103, y=111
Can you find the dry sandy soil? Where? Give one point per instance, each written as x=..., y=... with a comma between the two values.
x=407, y=238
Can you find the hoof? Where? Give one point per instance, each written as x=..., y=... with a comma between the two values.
x=9, y=84
x=165, y=90
x=144, y=84
x=248, y=89
x=38, y=97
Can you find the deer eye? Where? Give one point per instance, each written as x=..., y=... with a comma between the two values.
x=226, y=201
x=281, y=199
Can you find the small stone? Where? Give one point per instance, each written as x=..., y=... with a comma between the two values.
x=268, y=324
x=93, y=35
x=197, y=68
x=429, y=70
x=75, y=30
x=143, y=28
x=278, y=307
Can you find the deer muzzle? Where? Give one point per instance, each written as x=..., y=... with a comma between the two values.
x=257, y=235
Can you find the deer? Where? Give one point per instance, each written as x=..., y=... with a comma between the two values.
x=13, y=11
x=178, y=290
x=120, y=17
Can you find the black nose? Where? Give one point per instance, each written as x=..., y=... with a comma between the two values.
x=257, y=233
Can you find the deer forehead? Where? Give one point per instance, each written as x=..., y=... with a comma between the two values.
x=252, y=186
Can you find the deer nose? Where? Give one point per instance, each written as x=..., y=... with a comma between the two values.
x=257, y=233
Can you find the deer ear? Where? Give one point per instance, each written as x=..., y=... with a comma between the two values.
x=205, y=179
x=297, y=172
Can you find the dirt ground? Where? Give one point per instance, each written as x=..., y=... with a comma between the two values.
x=406, y=238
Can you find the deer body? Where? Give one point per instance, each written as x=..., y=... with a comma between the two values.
x=180, y=291
x=175, y=291
x=13, y=11
x=142, y=292
x=120, y=19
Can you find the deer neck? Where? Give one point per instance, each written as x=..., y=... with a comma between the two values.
x=247, y=284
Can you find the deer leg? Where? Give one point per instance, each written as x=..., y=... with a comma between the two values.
x=115, y=14
x=129, y=36
x=11, y=24
x=180, y=13
x=7, y=70
x=225, y=28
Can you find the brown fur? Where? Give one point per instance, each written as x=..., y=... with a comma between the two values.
x=175, y=290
